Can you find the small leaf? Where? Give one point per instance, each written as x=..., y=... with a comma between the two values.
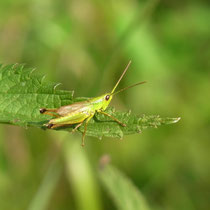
x=23, y=93
x=124, y=193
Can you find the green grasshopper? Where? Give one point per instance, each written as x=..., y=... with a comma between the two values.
x=81, y=112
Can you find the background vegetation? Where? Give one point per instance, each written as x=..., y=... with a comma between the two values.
x=85, y=45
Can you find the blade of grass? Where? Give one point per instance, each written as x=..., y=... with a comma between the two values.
x=81, y=177
x=120, y=188
x=47, y=187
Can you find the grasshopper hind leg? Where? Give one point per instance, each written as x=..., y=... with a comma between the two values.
x=48, y=112
x=52, y=126
x=49, y=126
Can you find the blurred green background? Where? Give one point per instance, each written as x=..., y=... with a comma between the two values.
x=85, y=45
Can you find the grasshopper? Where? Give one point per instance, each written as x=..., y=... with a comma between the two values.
x=81, y=112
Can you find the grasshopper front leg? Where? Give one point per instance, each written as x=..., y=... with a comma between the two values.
x=85, y=129
x=75, y=129
x=115, y=119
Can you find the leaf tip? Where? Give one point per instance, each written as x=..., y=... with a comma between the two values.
x=172, y=120
x=177, y=119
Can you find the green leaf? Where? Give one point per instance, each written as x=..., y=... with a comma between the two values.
x=124, y=193
x=103, y=126
x=23, y=93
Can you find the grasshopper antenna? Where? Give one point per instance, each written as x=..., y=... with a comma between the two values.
x=139, y=83
x=129, y=63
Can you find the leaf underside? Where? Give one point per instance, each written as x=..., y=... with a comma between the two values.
x=23, y=93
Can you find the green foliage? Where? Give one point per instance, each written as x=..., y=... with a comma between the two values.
x=23, y=93
x=85, y=45
x=122, y=190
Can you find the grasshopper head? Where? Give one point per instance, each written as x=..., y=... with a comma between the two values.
x=106, y=100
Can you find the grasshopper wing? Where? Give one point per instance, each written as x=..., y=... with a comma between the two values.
x=64, y=110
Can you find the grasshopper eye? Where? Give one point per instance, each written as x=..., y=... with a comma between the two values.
x=107, y=97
